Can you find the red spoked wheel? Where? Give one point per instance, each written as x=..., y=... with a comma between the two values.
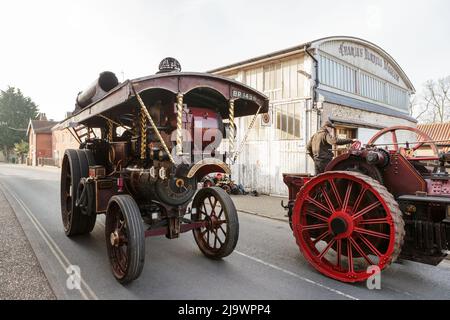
x=345, y=222
x=218, y=237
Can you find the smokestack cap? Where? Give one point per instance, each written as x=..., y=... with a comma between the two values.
x=169, y=65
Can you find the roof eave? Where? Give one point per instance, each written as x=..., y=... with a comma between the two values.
x=263, y=58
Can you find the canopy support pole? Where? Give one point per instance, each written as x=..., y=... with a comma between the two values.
x=232, y=131
x=155, y=128
x=252, y=123
x=179, y=124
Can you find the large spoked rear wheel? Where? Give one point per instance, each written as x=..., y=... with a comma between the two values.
x=125, y=239
x=218, y=238
x=75, y=166
x=347, y=225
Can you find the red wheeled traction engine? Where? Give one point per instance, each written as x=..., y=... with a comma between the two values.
x=144, y=145
x=372, y=206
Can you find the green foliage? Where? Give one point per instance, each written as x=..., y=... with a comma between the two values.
x=16, y=110
x=21, y=149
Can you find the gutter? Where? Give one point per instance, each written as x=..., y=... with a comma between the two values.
x=260, y=59
x=315, y=87
x=316, y=68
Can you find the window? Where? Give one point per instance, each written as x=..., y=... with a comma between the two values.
x=371, y=87
x=287, y=121
x=272, y=81
x=349, y=79
x=397, y=97
x=337, y=75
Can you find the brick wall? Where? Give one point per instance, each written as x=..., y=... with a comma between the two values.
x=360, y=116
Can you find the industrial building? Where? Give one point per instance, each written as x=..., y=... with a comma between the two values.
x=350, y=81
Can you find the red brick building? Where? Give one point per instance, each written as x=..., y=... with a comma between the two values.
x=39, y=134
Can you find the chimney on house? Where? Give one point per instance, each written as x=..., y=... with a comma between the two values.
x=42, y=116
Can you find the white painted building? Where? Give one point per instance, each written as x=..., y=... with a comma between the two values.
x=350, y=81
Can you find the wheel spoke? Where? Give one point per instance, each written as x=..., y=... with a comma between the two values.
x=394, y=140
x=122, y=224
x=359, y=199
x=348, y=192
x=330, y=244
x=316, y=215
x=224, y=232
x=321, y=237
x=215, y=204
x=370, y=246
x=336, y=193
x=217, y=237
x=339, y=253
x=212, y=207
x=220, y=213
x=327, y=199
x=419, y=144
x=374, y=221
x=349, y=256
x=318, y=204
x=366, y=210
x=315, y=227
x=361, y=252
x=372, y=233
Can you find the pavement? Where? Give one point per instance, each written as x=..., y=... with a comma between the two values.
x=21, y=276
x=262, y=205
x=265, y=265
x=270, y=207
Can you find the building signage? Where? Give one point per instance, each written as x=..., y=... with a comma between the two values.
x=352, y=50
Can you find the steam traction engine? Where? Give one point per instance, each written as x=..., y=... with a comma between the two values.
x=144, y=145
x=373, y=205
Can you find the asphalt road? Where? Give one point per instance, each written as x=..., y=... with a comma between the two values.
x=265, y=265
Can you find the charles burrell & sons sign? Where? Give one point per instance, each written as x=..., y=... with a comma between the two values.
x=364, y=57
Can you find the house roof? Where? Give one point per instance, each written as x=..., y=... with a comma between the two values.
x=41, y=126
x=438, y=132
x=314, y=45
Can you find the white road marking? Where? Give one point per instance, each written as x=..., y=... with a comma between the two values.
x=285, y=271
x=296, y=275
x=54, y=248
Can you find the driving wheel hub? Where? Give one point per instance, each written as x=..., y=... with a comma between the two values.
x=341, y=225
x=338, y=226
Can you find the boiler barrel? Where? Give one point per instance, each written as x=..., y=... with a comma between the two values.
x=105, y=83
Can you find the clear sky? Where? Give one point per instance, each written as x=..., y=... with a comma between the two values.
x=53, y=49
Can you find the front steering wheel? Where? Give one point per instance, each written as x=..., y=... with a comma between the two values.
x=408, y=152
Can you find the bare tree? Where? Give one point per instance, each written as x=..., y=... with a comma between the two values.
x=435, y=106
